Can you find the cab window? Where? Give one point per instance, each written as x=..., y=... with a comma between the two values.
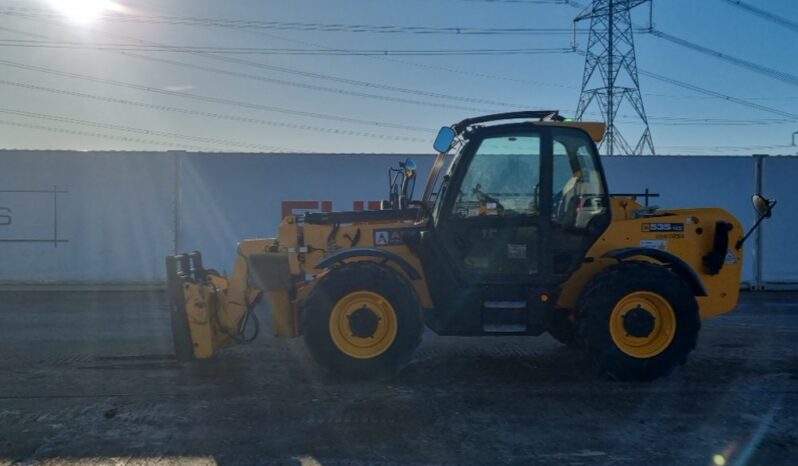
x=502, y=178
x=578, y=190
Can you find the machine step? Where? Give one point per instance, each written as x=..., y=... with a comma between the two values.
x=504, y=316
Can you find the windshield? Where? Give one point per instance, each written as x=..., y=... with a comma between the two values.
x=502, y=178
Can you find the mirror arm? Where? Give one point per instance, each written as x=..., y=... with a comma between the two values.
x=763, y=216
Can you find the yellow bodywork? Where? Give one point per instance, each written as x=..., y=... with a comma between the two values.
x=302, y=246
x=691, y=246
x=284, y=269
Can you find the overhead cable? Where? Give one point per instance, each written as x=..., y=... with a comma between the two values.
x=209, y=99
x=166, y=108
x=54, y=129
x=146, y=132
x=784, y=76
x=274, y=51
x=295, y=26
x=772, y=17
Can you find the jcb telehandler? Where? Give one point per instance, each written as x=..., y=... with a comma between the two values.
x=520, y=236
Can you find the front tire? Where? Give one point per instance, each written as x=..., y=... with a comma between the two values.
x=362, y=321
x=638, y=320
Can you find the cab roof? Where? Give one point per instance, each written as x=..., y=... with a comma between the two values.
x=539, y=117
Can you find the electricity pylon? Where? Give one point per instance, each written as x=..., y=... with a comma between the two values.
x=610, y=75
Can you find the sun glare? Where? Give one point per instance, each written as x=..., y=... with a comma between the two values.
x=83, y=11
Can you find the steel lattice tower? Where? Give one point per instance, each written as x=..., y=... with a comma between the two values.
x=610, y=75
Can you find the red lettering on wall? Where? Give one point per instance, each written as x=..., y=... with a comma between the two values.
x=357, y=206
x=300, y=207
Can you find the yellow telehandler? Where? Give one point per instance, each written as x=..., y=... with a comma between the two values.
x=519, y=236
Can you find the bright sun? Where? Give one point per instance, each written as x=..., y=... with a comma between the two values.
x=82, y=11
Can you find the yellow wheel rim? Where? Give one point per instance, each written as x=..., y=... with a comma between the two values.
x=642, y=324
x=363, y=324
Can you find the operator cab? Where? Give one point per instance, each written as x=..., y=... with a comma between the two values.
x=516, y=211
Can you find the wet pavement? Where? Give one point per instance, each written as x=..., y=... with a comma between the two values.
x=88, y=378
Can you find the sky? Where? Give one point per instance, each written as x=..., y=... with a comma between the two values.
x=82, y=80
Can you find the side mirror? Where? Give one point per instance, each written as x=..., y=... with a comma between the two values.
x=443, y=142
x=762, y=205
x=410, y=168
x=764, y=208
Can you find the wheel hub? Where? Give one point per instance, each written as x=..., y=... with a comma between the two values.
x=639, y=322
x=363, y=322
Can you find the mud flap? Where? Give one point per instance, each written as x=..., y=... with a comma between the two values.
x=177, y=269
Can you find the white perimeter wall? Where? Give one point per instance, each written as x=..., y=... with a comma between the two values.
x=780, y=240
x=118, y=214
x=110, y=220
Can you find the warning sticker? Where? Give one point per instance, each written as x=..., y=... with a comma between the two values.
x=658, y=244
x=390, y=236
x=730, y=258
x=516, y=251
x=381, y=237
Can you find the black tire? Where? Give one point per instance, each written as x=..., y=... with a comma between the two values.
x=606, y=290
x=371, y=277
x=562, y=328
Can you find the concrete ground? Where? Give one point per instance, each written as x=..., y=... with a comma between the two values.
x=88, y=378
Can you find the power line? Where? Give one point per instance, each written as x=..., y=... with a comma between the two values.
x=208, y=99
x=54, y=129
x=296, y=26
x=147, y=132
x=242, y=119
x=260, y=78
x=274, y=51
x=763, y=70
x=772, y=17
x=528, y=2
x=352, y=82
x=675, y=121
x=373, y=84
x=715, y=95
x=449, y=70
x=719, y=95
x=339, y=79
x=314, y=87
x=317, y=76
x=666, y=121
x=734, y=148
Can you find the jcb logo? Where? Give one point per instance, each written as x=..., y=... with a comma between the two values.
x=659, y=227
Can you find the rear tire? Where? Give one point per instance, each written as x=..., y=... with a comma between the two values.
x=638, y=320
x=362, y=321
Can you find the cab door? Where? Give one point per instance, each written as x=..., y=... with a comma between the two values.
x=487, y=253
